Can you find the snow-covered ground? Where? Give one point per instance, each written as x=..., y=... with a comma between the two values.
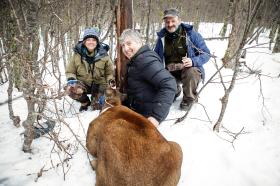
x=253, y=159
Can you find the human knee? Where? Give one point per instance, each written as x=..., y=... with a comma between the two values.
x=191, y=74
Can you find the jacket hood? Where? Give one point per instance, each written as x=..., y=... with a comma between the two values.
x=185, y=26
x=101, y=50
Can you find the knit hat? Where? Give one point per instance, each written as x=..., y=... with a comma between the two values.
x=171, y=12
x=91, y=33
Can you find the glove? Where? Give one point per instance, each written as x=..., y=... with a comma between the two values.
x=75, y=89
x=101, y=100
x=98, y=102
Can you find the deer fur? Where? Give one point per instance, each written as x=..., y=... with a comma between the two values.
x=129, y=150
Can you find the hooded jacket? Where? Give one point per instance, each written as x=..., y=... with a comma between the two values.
x=97, y=69
x=196, y=47
x=150, y=87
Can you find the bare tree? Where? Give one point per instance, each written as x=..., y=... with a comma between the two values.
x=9, y=60
x=227, y=18
x=237, y=46
x=25, y=13
x=276, y=48
x=124, y=20
x=148, y=22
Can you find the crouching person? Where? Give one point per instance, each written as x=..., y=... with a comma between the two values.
x=150, y=87
x=89, y=71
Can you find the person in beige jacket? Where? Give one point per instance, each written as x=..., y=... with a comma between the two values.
x=90, y=67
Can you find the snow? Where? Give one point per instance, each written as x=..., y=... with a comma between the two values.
x=252, y=159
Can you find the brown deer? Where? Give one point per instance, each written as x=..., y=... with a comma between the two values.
x=129, y=150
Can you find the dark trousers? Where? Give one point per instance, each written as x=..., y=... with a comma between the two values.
x=95, y=90
x=190, y=78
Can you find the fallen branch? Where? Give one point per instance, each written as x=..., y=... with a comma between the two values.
x=216, y=38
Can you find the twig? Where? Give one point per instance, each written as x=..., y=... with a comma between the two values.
x=216, y=38
x=39, y=174
x=233, y=135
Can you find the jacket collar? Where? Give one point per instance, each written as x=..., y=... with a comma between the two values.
x=100, y=51
x=141, y=50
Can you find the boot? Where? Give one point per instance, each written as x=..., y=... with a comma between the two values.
x=178, y=92
x=186, y=105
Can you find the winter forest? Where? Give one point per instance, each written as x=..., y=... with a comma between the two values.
x=230, y=137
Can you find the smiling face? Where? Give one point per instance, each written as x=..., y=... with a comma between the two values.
x=172, y=23
x=91, y=44
x=130, y=47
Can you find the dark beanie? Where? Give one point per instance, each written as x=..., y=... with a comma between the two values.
x=91, y=33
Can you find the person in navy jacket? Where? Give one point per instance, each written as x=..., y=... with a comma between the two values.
x=150, y=87
x=183, y=52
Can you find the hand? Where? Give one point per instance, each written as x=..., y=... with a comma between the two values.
x=153, y=121
x=187, y=62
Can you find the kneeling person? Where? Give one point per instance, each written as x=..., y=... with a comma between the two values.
x=150, y=87
x=91, y=68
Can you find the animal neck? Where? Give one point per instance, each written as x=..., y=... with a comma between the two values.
x=106, y=106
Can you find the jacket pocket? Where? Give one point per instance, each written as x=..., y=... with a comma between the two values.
x=99, y=70
x=182, y=51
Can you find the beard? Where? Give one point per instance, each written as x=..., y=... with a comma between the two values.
x=172, y=29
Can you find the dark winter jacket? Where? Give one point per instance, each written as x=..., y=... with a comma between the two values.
x=97, y=69
x=194, y=42
x=151, y=88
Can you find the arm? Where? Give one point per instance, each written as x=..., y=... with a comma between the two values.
x=165, y=85
x=71, y=70
x=109, y=70
x=159, y=48
x=201, y=51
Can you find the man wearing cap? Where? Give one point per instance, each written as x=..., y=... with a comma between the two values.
x=91, y=68
x=183, y=52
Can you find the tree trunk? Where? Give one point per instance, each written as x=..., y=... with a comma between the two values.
x=234, y=59
x=242, y=24
x=148, y=23
x=276, y=48
x=239, y=23
x=225, y=98
x=63, y=47
x=228, y=18
x=9, y=46
x=26, y=14
x=124, y=20
x=15, y=119
x=272, y=35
